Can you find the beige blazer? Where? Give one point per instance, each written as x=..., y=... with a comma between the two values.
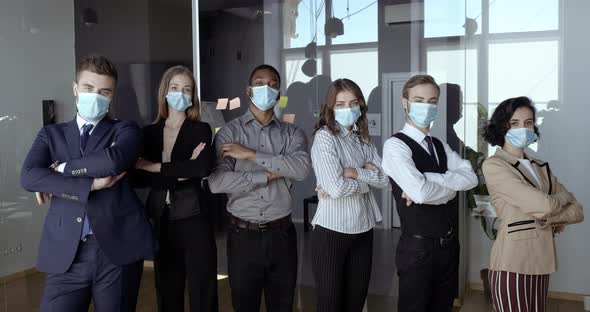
x=528, y=211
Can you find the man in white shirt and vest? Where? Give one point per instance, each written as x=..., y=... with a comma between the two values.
x=426, y=175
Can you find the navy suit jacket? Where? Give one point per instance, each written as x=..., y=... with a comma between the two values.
x=116, y=215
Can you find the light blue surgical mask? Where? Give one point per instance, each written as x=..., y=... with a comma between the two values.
x=179, y=101
x=264, y=97
x=423, y=114
x=93, y=106
x=521, y=137
x=347, y=116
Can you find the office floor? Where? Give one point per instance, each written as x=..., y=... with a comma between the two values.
x=23, y=295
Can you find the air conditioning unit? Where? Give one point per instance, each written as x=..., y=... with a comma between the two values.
x=399, y=14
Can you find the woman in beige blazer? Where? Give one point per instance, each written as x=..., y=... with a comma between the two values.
x=532, y=206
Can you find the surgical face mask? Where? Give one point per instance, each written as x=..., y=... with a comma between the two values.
x=264, y=97
x=179, y=101
x=521, y=137
x=422, y=114
x=92, y=106
x=347, y=116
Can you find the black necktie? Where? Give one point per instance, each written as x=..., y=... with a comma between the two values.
x=428, y=140
x=83, y=140
x=85, y=136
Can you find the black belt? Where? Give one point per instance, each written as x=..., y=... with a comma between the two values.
x=443, y=240
x=281, y=223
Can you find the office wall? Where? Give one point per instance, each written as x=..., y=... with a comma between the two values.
x=36, y=63
x=143, y=39
x=231, y=46
x=563, y=145
x=122, y=32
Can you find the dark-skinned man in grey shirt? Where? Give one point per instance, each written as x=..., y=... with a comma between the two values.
x=258, y=159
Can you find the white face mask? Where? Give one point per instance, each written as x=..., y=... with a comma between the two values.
x=264, y=97
x=179, y=101
x=521, y=137
x=347, y=116
x=92, y=106
x=422, y=114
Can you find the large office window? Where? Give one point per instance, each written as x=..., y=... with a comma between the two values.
x=509, y=49
x=350, y=55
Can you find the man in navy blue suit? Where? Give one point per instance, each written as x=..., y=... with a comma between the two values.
x=96, y=233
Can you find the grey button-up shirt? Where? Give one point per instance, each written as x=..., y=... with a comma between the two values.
x=280, y=147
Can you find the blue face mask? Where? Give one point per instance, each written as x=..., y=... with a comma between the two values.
x=347, y=116
x=423, y=114
x=521, y=137
x=92, y=106
x=179, y=101
x=264, y=97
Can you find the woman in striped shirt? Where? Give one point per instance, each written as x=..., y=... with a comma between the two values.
x=345, y=163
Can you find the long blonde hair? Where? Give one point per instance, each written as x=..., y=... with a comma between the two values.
x=193, y=112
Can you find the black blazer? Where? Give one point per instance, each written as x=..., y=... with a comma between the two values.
x=185, y=196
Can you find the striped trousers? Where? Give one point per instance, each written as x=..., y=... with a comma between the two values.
x=518, y=292
x=341, y=265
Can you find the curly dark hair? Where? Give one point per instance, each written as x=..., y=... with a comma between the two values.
x=495, y=130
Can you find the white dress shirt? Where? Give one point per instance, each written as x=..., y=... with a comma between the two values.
x=351, y=207
x=527, y=164
x=81, y=123
x=428, y=188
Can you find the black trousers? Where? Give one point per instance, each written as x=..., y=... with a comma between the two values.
x=428, y=274
x=262, y=262
x=187, y=256
x=341, y=265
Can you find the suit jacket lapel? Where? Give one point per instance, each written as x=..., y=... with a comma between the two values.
x=158, y=146
x=101, y=129
x=72, y=134
x=527, y=174
x=178, y=142
x=543, y=174
x=524, y=172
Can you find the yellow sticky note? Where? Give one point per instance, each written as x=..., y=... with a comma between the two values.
x=217, y=130
x=283, y=101
x=290, y=118
x=222, y=104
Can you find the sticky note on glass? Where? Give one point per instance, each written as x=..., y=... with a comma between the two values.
x=290, y=118
x=283, y=101
x=234, y=103
x=217, y=130
x=221, y=104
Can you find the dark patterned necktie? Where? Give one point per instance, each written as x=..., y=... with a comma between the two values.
x=428, y=140
x=83, y=141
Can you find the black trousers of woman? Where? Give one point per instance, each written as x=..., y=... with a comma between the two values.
x=187, y=256
x=341, y=265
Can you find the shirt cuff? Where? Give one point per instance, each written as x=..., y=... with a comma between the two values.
x=264, y=159
x=61, y=168
x=363, y=175
x=259, y=178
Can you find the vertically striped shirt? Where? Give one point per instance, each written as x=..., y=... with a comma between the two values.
x=351, y=207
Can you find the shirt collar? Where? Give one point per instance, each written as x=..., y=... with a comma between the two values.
x=249, y=117
x=414, y=133
x=509, y=158
x=81, y=122
x=344, y=132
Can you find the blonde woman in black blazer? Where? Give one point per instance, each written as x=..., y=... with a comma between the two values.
x=177, y=155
